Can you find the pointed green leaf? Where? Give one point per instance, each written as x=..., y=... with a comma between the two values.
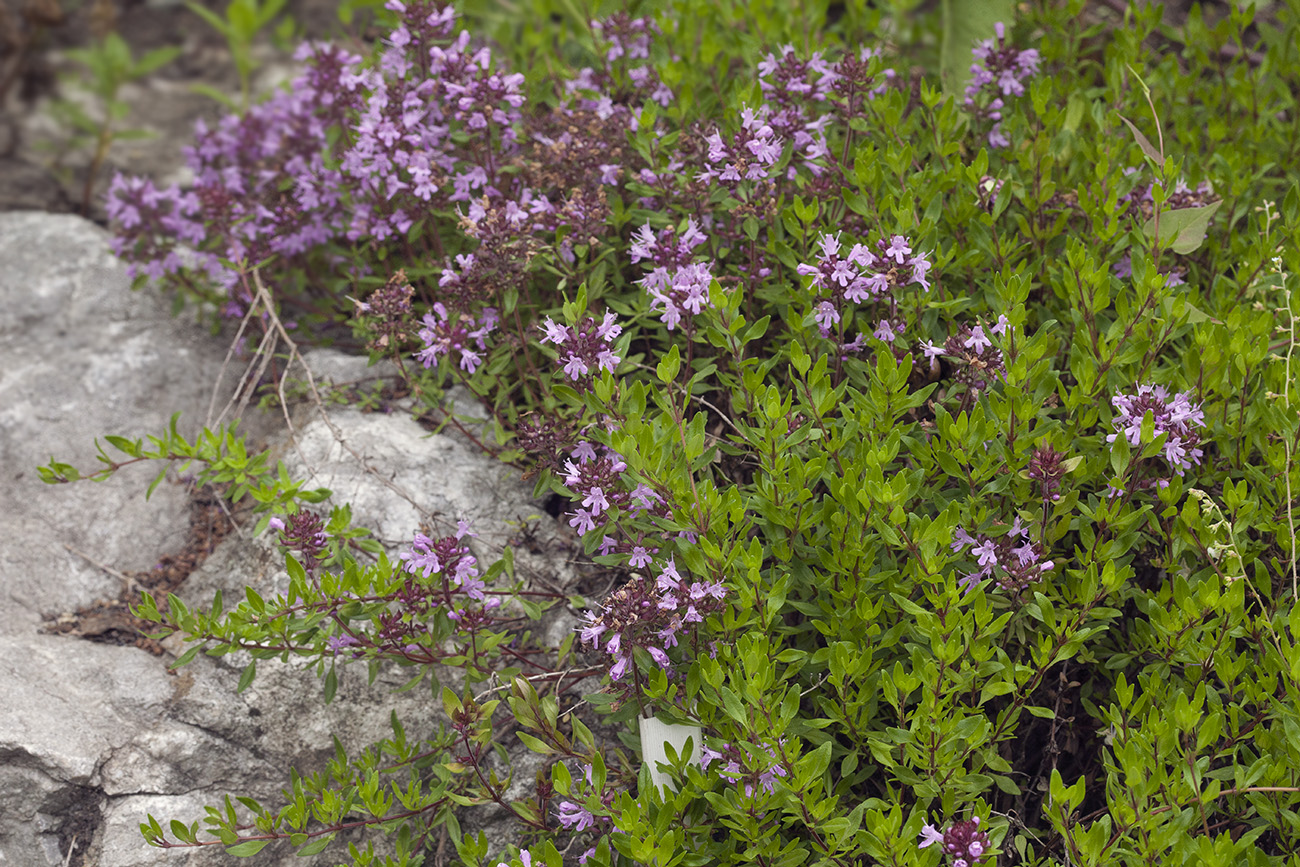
x=1144, y=143
x=1183, y=230
x=247, y=848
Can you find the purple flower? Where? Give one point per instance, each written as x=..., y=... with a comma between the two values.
x=619, y=668
x=593, y=630
x=962, y=841
x=1001, y=71
x=555, y=333
x=338, y=642
x=986, y=553
x=583, y=521
x=977, y=341
x=929, y=836
x=574, y=817
x=444, y=334
x=586, y=346
x=898, y=249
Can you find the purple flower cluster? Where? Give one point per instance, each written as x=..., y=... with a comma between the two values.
x=1174, y=416
x=386, y=315
x=1001, y=71
x=150, y=222
x=1013, y=567
x=750, y=154
x=621, y=86
x=649, y=614
x=357, y=154
x=797, y=88
x=403, y=152
x=444, y=334
x=756, y=768
x=596, y=481
x=577, y=818
x=1048, y=467
x=305, y=535
x=977, y=359
x=963, y=841
x=440, y=570
x=860, y=276
x=678, y=286
x=585, y=348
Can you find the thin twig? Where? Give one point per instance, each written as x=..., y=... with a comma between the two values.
x=722, y=415
x=549, y=675
x=128, y=583
x=221, y=374
x=295, y=355
x=72, y=847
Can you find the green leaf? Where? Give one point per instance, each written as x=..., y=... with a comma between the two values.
x=1183, y=230
x=269, y=11
x=331, y=685
x=731, y=704
x=247, y=677
x=243, y=20
x=669, y=365
x=153, y=60
x=186, y=657
x=210, y=17
x=537, y=745
x=124, y=445
x=315, y=846
x=1144, y=143
x=156, y=481
x=247, y=848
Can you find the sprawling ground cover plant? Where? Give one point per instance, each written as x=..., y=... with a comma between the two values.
x=940, y=433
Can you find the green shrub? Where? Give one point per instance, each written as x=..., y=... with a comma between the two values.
x=939, y=429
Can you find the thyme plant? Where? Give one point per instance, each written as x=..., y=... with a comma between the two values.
x=939, y=434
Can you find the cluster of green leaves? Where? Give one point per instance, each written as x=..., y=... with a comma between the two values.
x=222, y=460
x=829, y=496
x=1136, y=705
x=106, y=66
x=242, y=22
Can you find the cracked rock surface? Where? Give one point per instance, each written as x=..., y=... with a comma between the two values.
x=93, y=737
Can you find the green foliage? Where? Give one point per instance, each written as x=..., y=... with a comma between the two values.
x=1130, y=700
x=243, y=21
x=106, y=66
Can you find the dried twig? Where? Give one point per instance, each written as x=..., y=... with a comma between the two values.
x=295, y=355
x=129, y=584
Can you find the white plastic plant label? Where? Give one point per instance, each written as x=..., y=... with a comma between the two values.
x=654, y=734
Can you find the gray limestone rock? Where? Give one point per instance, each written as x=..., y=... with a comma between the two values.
x=93, y=737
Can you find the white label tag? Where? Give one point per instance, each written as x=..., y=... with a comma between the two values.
x=654, y=734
